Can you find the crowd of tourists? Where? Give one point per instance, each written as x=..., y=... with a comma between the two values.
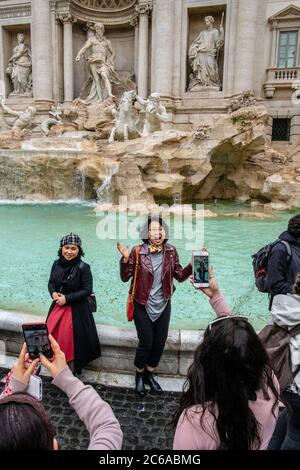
x=234, y=396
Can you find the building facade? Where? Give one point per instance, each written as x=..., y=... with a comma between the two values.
x=195, y=53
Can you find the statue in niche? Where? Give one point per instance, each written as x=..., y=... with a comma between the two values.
x=54, y=118
x=20, y=67
x=125, y=119
x=154, y=114
x=24, y=120
x=100, y=64
x=203, y=56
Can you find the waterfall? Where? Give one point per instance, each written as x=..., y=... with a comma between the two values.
x=43, y=176
x=80, y=183
x=104, y=191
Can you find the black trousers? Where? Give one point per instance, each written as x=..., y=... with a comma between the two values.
x=152, y=335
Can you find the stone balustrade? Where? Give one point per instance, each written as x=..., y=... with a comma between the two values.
x=277, y=78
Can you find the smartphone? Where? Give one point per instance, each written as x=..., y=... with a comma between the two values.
x=35, y=387
x=37, y=341
x=200, y=268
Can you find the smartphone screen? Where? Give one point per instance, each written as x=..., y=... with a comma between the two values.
x=201, y=274
x=37, y=341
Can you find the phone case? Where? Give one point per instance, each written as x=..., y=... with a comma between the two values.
x=35, y=388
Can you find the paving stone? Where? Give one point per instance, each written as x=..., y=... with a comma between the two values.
x=146, y=422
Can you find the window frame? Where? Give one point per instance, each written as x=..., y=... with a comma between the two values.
x=289, y=119
x=296, y=55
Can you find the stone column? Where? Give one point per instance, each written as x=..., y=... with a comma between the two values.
x=246, y=42
x=273, y=45
x=41, y=50
x=67, y=21
x=54, y=22
x=135, y=23
x=143, y=9
x=164, y=33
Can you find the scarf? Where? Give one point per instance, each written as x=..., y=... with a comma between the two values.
x=155, y=249
x=69, y=276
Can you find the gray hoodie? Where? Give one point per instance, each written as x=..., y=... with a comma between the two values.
x=286, y=312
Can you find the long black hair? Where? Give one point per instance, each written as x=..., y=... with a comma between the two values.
x=229, y=367
x=24, y=424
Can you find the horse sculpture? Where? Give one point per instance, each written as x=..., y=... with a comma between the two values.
x=126, y=119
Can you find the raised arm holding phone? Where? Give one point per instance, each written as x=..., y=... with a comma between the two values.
x=231, y=399
x=34, y=430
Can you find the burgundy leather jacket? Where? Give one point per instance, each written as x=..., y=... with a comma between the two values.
x=171, y=269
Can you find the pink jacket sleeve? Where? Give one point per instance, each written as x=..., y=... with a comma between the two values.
x=97, y=415
x=219, y=304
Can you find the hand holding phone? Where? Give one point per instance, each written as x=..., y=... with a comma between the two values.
x=37, y=341
x=35, y=387
x=200, y=269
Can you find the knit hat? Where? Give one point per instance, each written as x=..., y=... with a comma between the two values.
x=71, y=239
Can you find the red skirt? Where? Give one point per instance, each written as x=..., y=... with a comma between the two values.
x=60, y=326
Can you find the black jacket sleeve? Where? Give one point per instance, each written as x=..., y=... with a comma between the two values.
x=51, y=287
x=86, y=285
x=278, y=282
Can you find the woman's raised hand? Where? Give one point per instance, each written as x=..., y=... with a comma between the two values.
x=124, y=251
x=213, y=288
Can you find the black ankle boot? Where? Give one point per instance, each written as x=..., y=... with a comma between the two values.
x=139, y=384
x=149, y=380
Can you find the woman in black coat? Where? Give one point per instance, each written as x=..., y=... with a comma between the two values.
x=70, y=319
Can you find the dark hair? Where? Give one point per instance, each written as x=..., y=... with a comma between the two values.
x=145, y=228
x=80, y=253
x=294, y=226
x=24, y=424
x=229, y=367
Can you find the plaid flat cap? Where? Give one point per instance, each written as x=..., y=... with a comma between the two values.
x=71, y=239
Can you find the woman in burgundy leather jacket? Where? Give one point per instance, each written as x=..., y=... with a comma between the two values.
x=158, y=266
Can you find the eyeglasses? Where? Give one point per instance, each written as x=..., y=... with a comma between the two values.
x=232, y=317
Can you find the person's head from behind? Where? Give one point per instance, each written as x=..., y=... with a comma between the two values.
x=294, y=226
x=25, y=425
x=229, y=367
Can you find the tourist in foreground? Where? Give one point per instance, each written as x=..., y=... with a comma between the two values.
x=286, y=313
x=156, y=263
x=230, y=400
x=35, y=430
x=70, y=320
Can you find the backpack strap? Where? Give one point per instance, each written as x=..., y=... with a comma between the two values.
x=288, y=249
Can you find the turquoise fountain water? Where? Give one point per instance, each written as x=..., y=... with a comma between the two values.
x=30, y=236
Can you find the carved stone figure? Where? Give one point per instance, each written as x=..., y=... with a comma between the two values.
x=54, y=118
x=20, y=67
x=201, y=132
x=155, y=113
x=203, y=55
x=100, y=64
x=24, y=119
x=243, y=100
x=125, y=119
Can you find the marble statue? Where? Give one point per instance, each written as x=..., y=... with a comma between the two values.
x=203, y=56
x=54, y=118
x=100, y=64
x=24, y=119
x=125, y=119
x=20, y=67
x=155, y=113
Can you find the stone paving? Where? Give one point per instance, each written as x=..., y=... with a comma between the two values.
x=146, y=422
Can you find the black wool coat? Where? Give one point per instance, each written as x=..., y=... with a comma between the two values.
x=86, y=340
